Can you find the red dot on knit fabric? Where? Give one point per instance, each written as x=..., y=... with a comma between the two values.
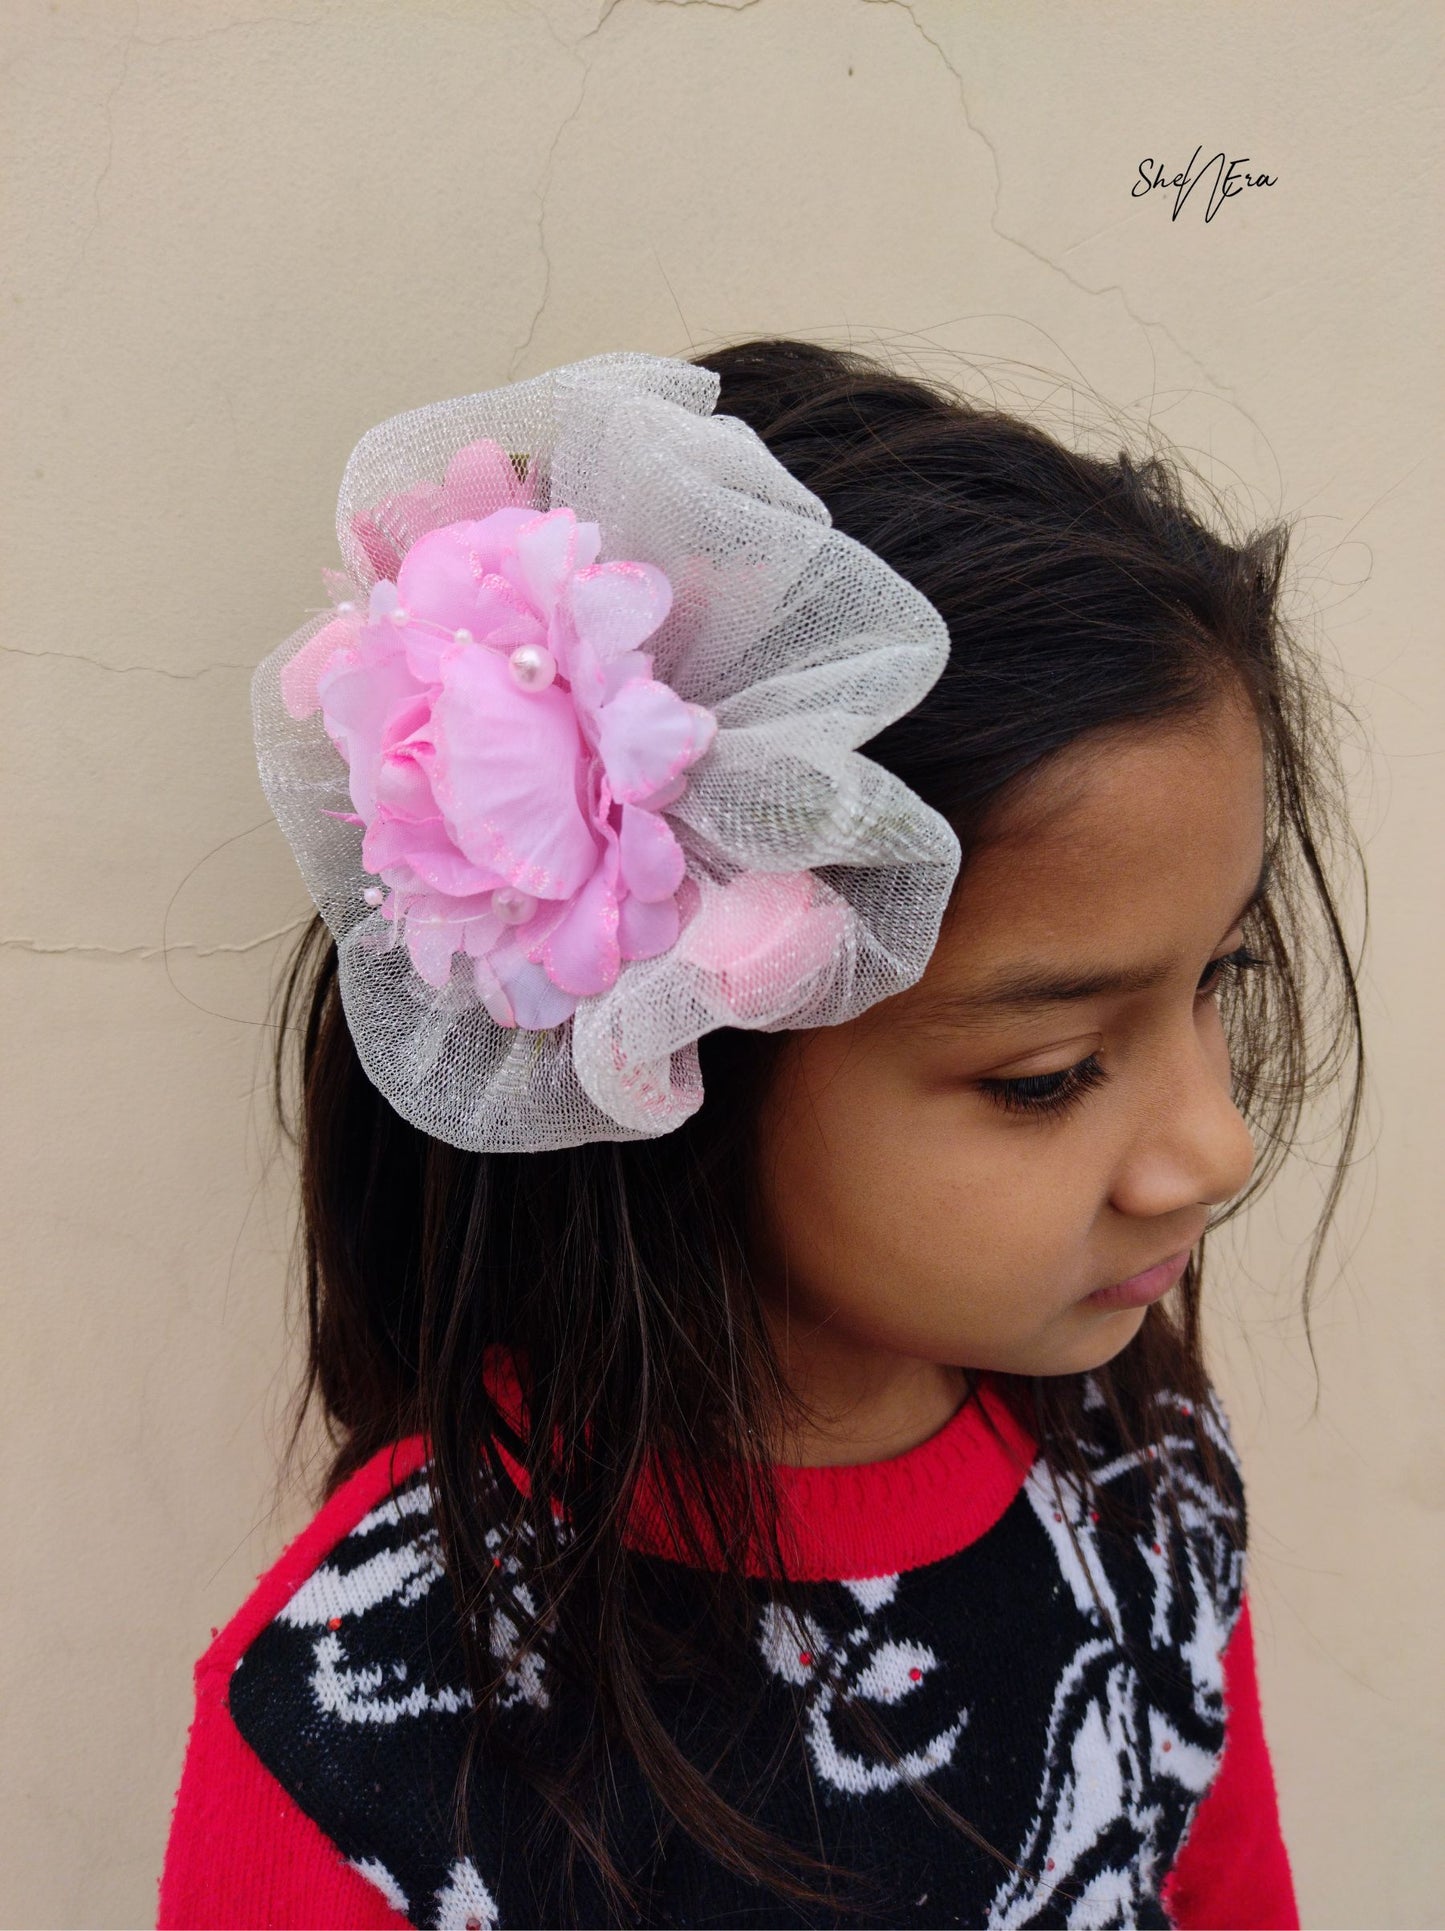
x=496, y=1562
x=1187, y=1409
x=805, y=1657
x=1157, y=1549
x=916, y=1674
x=1167, y=1744
x=474, y=1924
x=1057, y=1516
x=1093, y=1515
x=1049, y=1865
x=333, y=1622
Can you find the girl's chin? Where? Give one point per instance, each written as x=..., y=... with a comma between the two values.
x=1073, y=1346
x=1094, y=1337
x=1109, y=1332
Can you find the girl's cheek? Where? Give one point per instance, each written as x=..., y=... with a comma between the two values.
x=1010, y=1202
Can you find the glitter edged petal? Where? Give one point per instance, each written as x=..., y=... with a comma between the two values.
x=504, y=774
x=647, y=734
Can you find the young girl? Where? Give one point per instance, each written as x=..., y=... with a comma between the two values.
x=755, y=1189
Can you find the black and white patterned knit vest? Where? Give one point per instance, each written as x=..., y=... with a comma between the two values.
x=1077, y=1740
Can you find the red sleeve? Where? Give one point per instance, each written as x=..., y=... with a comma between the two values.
x=1233, y=1872
x=241, y=1853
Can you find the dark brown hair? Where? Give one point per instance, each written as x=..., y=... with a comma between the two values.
x=1082, y=595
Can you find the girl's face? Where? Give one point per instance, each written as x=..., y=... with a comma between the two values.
x=914, y=1223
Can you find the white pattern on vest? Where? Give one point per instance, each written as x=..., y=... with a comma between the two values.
x=858, y=1663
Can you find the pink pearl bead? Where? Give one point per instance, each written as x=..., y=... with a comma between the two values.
x=511, y=906
x=373, y=895
x=533, y=666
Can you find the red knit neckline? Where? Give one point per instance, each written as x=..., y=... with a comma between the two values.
x=865, y=1519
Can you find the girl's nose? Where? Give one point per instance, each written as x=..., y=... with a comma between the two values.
x=1193, y=1147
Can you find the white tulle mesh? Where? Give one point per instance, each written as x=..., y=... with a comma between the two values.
x=801, y=641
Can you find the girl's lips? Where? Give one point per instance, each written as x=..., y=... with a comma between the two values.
x=1140, y=1289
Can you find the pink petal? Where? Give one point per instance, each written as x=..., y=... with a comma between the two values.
x=652, y=861
x=404, y=883
x=429, y=852
x=401, y=786
x=481, y=477
x=537, y=1001
x=621, y=670
x=647, y=735
x=407, y=729
x=668, y=795
x=380, y=550
x=582, y=954
x=409, y=513
x=298, y=678
x=577, y=662
x=470, y=912
x=504, y=773
x=340, y=587
x=388, y=530
x=482, y=932
x=532, y=937
x=616, y=605
x=764, y=936
x=453, y=576
x=431, y=943
x=492, y=993
x=361, y=688
x=424, y=650
x=383, y=601
x=644, y=930
x=508, y=632
x=736, y=920
x=359, y=700
x=494, y=535
x=544, y=554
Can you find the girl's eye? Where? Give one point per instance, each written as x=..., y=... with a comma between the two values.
x=1046, y=1093
x=1241, y=960
x=1054, y=1093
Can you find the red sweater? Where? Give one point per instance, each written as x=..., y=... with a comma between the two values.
x=1149, y=1795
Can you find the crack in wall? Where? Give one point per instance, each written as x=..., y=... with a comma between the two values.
x=545, y=190
x=1141, y=321
x=100, y=180
x=46, y=947
x=123, y=670
x=127, y=44
x=1144, y=322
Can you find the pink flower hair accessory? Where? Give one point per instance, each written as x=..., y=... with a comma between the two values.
x=569, y=767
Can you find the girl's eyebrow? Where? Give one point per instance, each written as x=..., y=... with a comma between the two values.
x=1039, y=986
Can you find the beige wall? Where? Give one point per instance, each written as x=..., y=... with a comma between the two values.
x=233, y=237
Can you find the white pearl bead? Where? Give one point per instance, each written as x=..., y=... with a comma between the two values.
x=401, y=615
x=373, y=895
x=513, y=907
x=347, y=609
x=462, y=636
x=532, y=666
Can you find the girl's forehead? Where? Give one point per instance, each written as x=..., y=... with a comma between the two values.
x=1134, y=845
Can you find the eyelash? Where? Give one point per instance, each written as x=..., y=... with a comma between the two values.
x=1053, y=1094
